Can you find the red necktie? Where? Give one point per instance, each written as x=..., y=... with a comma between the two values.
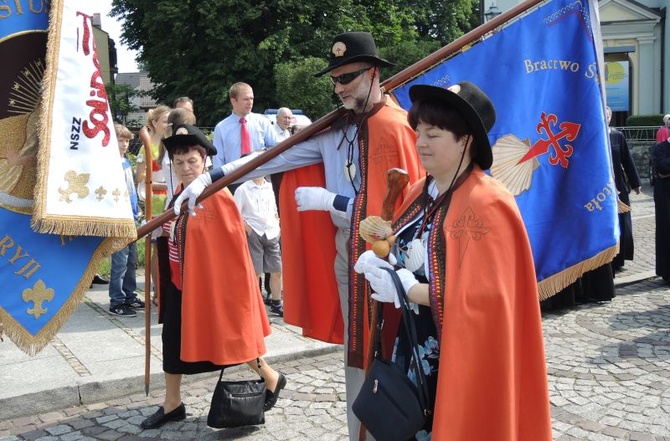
x=244, y=136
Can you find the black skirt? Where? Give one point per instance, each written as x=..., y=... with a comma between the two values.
x=171, y=313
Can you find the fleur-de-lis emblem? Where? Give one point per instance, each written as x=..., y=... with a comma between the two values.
x=38, y=294
x=77, y=184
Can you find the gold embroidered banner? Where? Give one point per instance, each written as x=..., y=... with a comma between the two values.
x=57, y=146
x=81, y=188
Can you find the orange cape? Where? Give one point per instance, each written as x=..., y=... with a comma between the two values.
x=492, y=382
x=311, y=299
x=223, y=316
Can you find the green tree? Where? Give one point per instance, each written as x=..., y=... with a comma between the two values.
x=120, y=101
x=297, y=87
x=200, y=48
x=444, y=20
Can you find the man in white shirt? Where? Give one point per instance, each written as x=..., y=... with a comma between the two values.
x=284, y=121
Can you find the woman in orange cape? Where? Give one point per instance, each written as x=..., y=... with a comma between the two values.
x=211, y=319
x=467, y=265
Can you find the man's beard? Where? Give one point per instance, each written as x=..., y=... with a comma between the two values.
x=357, y=104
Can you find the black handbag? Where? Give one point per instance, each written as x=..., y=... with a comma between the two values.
x=237, y=403
x=390, y=405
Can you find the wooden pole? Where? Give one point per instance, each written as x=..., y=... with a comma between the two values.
x=307, y=132
x=325, y=122
x=447, y=51
x=145, y=137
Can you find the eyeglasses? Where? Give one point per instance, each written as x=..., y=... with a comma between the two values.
x=348, y=77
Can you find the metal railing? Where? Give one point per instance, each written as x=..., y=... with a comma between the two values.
x=639, y=133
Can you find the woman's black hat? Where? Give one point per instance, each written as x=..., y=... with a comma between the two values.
x=473, y=105
x=351, y=47
x=186, y=135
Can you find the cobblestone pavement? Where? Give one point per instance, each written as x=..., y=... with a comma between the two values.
x=312, y=407
x=644, y=224
x=609, y=379
x=608, y=364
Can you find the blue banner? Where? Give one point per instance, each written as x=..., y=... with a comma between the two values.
x=550, y=141
x=38, y=272
x=19, y=17
x=43, y=276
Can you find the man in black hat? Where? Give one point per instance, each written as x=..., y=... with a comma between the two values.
x=353, y=157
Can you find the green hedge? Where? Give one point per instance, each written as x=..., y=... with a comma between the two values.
x=645, y=120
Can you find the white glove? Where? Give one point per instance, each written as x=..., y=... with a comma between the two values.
x=192, y=192
x=384, y=288
x=382, y=285
x=369, y=258
x=314, y=198
x=380, y=280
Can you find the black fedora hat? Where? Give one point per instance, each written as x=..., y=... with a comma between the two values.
x=473, y=105
x=186, y=135
x=350, y=47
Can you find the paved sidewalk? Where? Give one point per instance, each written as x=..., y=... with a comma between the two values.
x=608, y=366
x=97, y=357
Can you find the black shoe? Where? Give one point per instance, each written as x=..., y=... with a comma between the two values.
x=160, y=417
x=136, y=304
x=272, y=397
x=99, y=280
x=268, y=299
x=122, y=310
x=277, y=308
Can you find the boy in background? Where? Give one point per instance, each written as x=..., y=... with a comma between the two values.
x=256, y=201
x=123, y=300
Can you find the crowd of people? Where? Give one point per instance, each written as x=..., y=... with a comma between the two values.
x=483, y=350
x=334, y=180
x=208, y=323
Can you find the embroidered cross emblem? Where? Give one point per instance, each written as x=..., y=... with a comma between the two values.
x=568, y=131
x=465, y=228
x=385, y=155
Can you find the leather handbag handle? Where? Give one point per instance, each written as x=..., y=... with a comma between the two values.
x=410, y=329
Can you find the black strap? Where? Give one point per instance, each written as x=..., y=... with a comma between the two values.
x=410, y=329
x=258, y=362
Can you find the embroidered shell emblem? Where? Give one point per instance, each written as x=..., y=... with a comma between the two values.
x=374, y=228
x=416, y=255
x=507, y=152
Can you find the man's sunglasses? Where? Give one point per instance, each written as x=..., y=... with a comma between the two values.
x=348, y=77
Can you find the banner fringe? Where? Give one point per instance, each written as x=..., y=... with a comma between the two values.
x=32, y=345
x=557, y=282
x=48, y=90
x=124, y=228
